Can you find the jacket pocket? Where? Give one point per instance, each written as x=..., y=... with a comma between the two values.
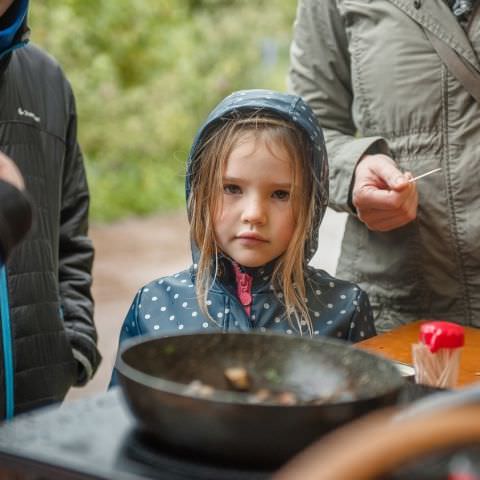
x=386, y=262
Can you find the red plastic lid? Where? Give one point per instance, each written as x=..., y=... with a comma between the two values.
x=436, y=335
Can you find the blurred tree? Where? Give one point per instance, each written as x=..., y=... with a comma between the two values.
x=145, y=74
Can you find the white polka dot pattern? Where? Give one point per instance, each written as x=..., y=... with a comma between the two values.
x=169, y=305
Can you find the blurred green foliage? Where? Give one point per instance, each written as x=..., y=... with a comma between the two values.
x=146, y=73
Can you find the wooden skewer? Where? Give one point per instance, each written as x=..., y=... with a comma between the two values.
x=435, y=170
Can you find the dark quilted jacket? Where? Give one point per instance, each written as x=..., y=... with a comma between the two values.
x=337, y=308
x=50, y=338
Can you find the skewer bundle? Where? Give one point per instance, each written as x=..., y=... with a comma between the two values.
x=436, y=357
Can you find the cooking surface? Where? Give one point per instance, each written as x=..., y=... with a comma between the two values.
x=83, y=436
x=95, y=438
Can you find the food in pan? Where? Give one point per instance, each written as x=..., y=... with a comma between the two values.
x=238, y=379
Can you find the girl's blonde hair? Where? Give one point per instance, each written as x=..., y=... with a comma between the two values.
x=206, y=194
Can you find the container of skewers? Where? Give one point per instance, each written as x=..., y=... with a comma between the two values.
x=436, y=357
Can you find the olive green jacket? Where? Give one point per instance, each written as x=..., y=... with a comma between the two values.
x=376, y=83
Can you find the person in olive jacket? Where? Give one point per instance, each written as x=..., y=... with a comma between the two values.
x=48, y=338
x=390, y=107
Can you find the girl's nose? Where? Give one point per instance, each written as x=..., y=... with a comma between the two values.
x=254, y=212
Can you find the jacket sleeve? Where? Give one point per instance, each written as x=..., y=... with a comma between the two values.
x=320, y=73
x=362, y=324
x=130, y=329
x=76, y=257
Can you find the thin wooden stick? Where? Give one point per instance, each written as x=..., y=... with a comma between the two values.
x=435, y=170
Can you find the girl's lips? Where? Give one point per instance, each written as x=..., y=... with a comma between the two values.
x=251, y=237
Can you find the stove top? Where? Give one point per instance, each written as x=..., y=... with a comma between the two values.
x=160, y=461
x=97, y=438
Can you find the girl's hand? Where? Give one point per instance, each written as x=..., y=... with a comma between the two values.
x=10, y=173
x=382, y=195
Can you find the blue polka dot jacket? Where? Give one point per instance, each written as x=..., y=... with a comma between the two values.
x=337, y=308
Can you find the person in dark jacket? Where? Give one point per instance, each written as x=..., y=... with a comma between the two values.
x=48, y=338
x=15, y=208
x=257, y=189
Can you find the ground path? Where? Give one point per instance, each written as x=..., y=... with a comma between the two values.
x=133, y=252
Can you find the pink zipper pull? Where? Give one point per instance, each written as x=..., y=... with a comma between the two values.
x=244, y=288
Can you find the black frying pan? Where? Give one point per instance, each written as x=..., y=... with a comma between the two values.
x=154, y=373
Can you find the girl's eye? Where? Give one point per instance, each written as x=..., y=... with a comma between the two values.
x=281, y=194
x=232, y=189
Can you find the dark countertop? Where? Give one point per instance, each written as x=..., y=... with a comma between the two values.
x=84, y=437
x=93, y=438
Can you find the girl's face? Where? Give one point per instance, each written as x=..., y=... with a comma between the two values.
x=255, y=221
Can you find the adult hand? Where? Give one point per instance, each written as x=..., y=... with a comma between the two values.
x=10, y=173
x=382, y=195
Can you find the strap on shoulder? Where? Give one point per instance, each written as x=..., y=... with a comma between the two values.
x=461, y=69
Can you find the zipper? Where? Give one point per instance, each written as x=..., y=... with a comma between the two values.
x=7, y=345
x=244, y=288
x=234, y=298
x=246, y=292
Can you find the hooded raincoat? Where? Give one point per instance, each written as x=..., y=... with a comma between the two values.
x=377, y=85
x=337, y=308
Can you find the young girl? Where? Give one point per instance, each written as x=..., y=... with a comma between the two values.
x=257, y=190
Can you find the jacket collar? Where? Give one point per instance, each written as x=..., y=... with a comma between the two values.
x=262, y=276
x=21, y=40
x=436, y=16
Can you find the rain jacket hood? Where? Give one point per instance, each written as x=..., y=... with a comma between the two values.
x=284, y=106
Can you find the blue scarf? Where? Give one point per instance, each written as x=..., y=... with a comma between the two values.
x=17, y=14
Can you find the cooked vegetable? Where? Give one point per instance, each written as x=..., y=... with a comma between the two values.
x=196, y=387
x=238, y=378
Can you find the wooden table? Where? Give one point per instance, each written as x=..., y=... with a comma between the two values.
x=397, y=345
